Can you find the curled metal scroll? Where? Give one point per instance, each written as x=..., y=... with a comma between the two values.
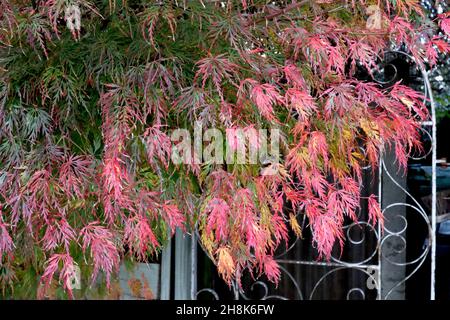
x=334, y=271
x=353, y=242
x=400, y=237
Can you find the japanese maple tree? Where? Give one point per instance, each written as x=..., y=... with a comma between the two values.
x=90, y=89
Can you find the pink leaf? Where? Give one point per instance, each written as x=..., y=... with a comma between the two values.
x=217, y=69
x=271, y=269
x=294, y=76
x=173, y=216
x=301, y=102
x=74, y=173
x=58, y=232
x=266, y=96
x=218, y=213
x=102, y=248
x=158, y=145
x=375, y=213
x=65, y=275
x=318, y=146
x=326, y=229
x=139, y=237
x=6, y=242
x=445, y=26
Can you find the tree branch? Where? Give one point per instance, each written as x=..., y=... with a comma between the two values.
x=280, y=12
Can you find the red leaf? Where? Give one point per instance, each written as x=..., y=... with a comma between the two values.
x=266, y=96
x=360, y=51
x=301, y=102
x=326, y=229
x=102, y=248
x=115, y=177
x=271, y=269
x=58, y=232
x=442, y=45
x=173, y=216
x=65, y=275
x=217, y=69
x=139, y=237
x=218, y=213
x=412, y=99
x=318, y=146
x=375, y=213
x=73, y=175
x=294, y=76
x=339, y=100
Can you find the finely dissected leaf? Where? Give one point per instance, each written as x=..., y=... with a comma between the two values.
x=6, y=242
x=225, y=264
x=103, y=250
x=66, y=272
x=375, y=213
x=219, y=214
x=445, y=25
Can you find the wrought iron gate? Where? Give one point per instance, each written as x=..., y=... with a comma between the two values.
x=374, y=263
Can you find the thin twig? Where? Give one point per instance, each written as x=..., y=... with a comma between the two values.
x=280, y=12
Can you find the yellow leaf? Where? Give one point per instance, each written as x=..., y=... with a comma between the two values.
x=407, y=102
x=357, y=155
x=295, y=226
x=370, y=128
x=374, y=22
x=225, y=264
x=347, y=133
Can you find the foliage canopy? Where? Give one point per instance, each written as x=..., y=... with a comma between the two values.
x=90, y=89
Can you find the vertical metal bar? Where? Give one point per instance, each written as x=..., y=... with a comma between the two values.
x=165, y=271
x=429, y=93
x=235, y=287
x=182, y=281
x=433, y=185
x=433, y=199
x=380, y=230
x=193, y=265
